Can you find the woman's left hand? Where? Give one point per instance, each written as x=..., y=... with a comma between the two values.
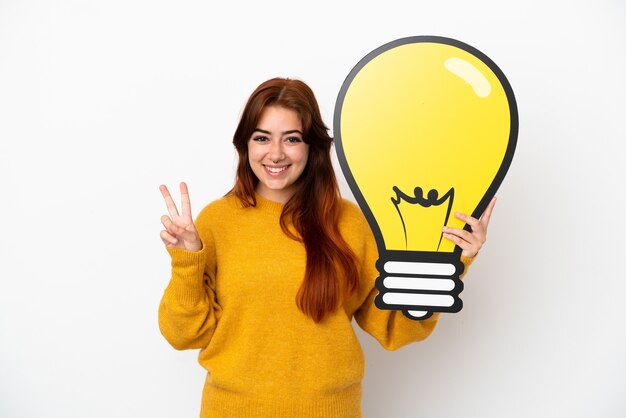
x=470, y=241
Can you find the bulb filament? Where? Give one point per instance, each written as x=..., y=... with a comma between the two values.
x=432, y=199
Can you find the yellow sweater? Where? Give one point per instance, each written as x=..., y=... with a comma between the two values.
x=235, y=301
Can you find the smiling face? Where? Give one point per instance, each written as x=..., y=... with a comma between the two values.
x=277, y=153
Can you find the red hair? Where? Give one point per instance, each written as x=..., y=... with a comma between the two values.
x=331, y=274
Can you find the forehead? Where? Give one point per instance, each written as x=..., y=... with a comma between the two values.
x=279, y=116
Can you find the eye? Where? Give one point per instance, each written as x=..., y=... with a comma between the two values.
x=260, y=138
x=294, y=139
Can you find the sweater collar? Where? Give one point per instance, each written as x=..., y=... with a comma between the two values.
x=269, y=205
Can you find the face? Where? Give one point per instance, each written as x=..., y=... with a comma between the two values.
x=277, y=153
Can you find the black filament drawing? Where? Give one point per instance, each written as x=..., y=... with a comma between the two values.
x=432, y=199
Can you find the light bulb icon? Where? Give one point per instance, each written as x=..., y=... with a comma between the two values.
x=425, y=127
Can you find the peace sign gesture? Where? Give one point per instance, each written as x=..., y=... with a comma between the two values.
x=470, y=241
x=180, y=231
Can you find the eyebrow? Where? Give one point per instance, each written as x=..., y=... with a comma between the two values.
x=293, y=131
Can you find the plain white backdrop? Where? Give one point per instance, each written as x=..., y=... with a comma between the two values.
x=102, y=101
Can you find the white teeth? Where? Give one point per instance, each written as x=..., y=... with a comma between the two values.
x=276, y=169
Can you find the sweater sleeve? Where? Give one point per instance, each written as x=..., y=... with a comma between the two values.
x=391, y=328
x=189, y=311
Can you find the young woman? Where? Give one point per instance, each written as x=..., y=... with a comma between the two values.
x=267, y=280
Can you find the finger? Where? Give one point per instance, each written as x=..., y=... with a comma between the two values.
x=171, y=206
x=170, y=226
x=461, y=233
x=487, y=214
x=188, y=236
x=167, y=238
x=467, y=219
x=469, y=250
x=457, y=240
x=184, y=196
x=187, y=233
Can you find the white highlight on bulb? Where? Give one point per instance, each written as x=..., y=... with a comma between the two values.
x=406, y=267
x=470, y=74
x=418, y=283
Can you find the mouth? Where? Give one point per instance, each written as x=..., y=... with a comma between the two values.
x=275, y=170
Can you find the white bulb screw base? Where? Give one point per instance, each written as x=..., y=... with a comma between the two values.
x=419, y=284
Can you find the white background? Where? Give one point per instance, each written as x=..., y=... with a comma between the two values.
x=102, y=101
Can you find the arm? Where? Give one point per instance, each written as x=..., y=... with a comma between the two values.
x=189, y=311
x=391, y=328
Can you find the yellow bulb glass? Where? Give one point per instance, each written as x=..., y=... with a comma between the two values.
x=425, y=127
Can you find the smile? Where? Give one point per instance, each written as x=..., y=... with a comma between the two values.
x=275, y=170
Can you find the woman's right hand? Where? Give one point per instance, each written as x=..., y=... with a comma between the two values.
x=180, y=231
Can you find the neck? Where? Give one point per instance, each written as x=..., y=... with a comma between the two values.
x=279, y=196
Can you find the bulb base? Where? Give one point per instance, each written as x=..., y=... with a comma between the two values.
x=419, y=283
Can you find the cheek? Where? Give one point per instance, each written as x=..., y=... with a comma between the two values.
x=304, y=155
x=253, y=153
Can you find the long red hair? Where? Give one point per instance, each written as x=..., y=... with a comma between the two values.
x=331, y=273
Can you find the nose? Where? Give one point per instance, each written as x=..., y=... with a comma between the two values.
x=276, y=152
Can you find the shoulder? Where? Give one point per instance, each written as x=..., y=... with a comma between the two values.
x=351, y=212
x=357, y=233
x=216, y=210
x=352, y=222
x=225, y=203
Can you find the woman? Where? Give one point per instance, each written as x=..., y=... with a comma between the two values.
x=266, y=281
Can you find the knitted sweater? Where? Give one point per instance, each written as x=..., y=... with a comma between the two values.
x=235, y=300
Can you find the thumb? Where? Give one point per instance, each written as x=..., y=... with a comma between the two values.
x=190, y=235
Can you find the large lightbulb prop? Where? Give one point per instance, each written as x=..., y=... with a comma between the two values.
x=425, y=126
